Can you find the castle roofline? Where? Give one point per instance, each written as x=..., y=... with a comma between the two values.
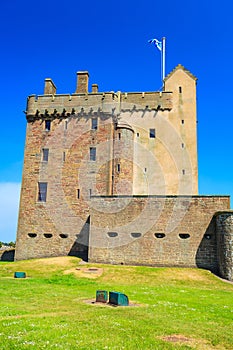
x=180, y=66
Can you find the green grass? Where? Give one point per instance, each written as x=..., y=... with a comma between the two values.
x=47, y=310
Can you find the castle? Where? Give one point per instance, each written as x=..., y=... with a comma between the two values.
x=112, y=177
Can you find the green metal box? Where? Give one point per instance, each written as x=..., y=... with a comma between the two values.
x=20, y=275
x=101, y=296
x=119, y=299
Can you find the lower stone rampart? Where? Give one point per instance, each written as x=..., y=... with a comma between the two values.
x=155, y=230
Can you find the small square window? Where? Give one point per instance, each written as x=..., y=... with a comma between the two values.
x=94, y=123
x=152, y=133
x=45, y=154
x=92, y=153
x=47, y=125
x=42, y=191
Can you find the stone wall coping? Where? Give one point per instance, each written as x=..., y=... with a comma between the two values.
x=103, y=92
x=163, y=196
x=229, y=211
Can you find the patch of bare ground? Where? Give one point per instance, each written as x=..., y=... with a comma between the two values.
x=59, y=261
x=199, y=344
x=94, y=302
x=88, y=272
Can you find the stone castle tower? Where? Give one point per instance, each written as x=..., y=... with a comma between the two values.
x=113, y=177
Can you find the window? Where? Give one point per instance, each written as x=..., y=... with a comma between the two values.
x=180, y=89
x=183, y=171
x=42, y=191
x=152, y=133
x=78, y=193
x=112, y=234
x=138, y=134
x=118, y=167
x=45, y=154
x=182, y=121
x=47, y=125
x=66, y=124
x=92, y=153
x=182, y=145
x=136, y=234
x=94, y=123
x=63, y=235
x=32, y=235
x=64, y=156
x=159, y=235
x=48, y=235
x=184, y=235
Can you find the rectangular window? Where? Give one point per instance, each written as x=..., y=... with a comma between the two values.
x=78, y=193
x=118, y=167
x=152, y=133
x=64, y=156
x=94, y=123
x=45, y=154
x=92, y=153
x=42, y=191
x=47, y=125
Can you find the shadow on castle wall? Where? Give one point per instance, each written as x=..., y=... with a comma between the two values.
x=206, y=255
x=7, y=255
x=81, y=245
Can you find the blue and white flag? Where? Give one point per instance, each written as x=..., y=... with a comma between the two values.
x=157, y=43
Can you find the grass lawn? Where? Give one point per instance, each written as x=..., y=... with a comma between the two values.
x=51, y=309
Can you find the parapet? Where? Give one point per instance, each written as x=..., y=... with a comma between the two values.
x=54, y=105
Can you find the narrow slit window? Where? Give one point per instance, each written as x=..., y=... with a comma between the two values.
x=180, y=89
x=66, y=124
x=47, y=125
x=64, y=156
x=94, y=123
x=119, y=136
x=42, y=191
x=152, y=133
x=45, y=154
x=92, y=153
x=118, y=167
x=183, y=171
x=78, y=193
x=90, y=192
x=182, y=121
x=138, y=134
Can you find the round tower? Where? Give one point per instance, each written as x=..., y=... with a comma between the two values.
x=123, y=153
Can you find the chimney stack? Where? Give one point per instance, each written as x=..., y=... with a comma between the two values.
x=49, y=87
x=95, y=88
x=82, y=82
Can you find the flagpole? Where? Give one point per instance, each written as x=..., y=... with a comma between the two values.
x=163, y=58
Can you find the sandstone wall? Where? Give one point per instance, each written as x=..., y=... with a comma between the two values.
x=155, y=230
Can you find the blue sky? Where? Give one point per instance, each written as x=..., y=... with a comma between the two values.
x=109, y=39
